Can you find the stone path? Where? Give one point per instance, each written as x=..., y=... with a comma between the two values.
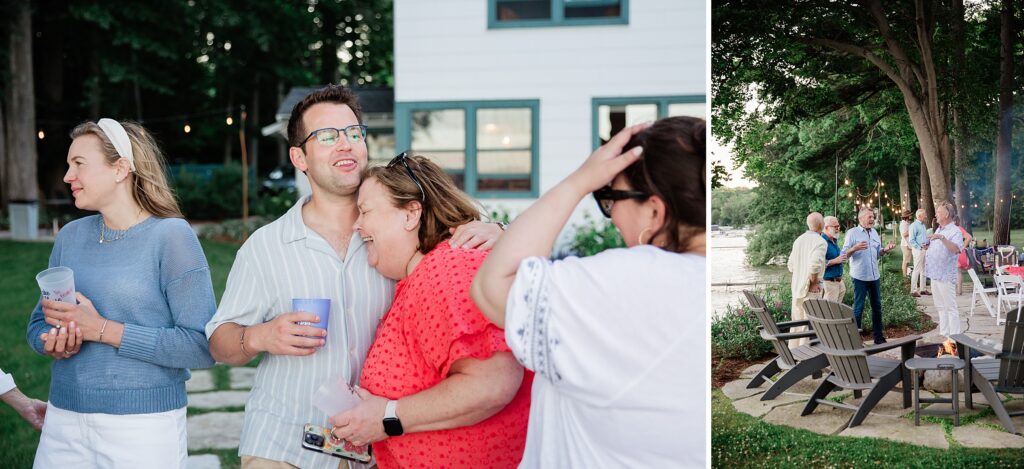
x=216, y=414
x=889, y=419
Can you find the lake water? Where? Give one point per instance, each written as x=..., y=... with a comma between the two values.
x=730, y=273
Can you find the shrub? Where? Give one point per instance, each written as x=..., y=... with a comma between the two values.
x=233, y=230
x=593, y=236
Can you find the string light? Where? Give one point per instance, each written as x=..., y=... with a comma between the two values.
x=41, y=134
x=188, y=128
x=229, y=120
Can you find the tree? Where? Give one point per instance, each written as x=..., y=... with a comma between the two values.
x=20, y=116
x=1001, y=231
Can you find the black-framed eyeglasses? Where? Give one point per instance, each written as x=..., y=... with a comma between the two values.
x=607, y=196
x=403, y=158
x=328, y=136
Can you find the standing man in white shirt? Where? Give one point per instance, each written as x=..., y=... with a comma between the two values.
x=941, y=268
x=807, y=263
x=864, y=246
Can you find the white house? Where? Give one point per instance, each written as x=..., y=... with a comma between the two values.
x=512, y=95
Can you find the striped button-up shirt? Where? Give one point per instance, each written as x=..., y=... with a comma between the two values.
x=279, y=262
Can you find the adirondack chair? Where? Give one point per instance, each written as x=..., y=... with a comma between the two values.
x=798, y=363
x=1001, y=371
x=982, y=293
x=851, y=362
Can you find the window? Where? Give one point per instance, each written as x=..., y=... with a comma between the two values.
x=488, y=147
x=614, y=114
x=541, y=13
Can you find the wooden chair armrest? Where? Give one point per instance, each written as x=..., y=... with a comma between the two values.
x=795, y=335
x=902, y=341
x=791, y=324
x=971, y=343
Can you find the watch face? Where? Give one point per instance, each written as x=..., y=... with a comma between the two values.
x=393, y=426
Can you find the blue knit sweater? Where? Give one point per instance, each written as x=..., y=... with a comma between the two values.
x=156, y=282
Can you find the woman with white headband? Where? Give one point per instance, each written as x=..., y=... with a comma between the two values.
x=123, y=353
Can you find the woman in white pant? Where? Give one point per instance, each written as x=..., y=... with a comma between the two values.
x=941, y=268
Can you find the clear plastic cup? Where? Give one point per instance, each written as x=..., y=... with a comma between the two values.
x=57, y=283
x=335, y=396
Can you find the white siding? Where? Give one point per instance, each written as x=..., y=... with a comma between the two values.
x=444, y=52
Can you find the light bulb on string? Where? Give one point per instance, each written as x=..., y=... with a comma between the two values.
x=188, y=128
x=41, y=134
x=229, y=121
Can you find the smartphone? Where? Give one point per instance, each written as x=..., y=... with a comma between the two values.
x=316, y=438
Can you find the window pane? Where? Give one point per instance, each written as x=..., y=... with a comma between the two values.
x=441, y=136
x=592, y=9
x=612, y=119
x=504, y=141
x=380, y=146
x=512, y=10
x=503, y=129
x=687, y=109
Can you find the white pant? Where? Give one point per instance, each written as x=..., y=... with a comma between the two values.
x=944, y=295
x=917, y=278
x=72, y=439
x=799, y=314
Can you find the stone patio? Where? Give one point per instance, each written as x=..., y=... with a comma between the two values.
x=889, y=419
x=215, y=428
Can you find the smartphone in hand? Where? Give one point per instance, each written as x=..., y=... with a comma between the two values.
x=316, y=438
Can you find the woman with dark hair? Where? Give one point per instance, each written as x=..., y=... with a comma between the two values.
x=440, y=388
x=617, y=339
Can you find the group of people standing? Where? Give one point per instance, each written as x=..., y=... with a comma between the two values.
x=463, y=355
x=816, y=262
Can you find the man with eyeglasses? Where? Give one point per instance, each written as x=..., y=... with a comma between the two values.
x=807, y=263
x=311, y=251
x=864, y=246
x=835, y=288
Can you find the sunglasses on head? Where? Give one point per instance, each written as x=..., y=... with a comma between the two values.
x=403, y=159
x=606, y=198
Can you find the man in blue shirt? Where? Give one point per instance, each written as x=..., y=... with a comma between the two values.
x=918, y=241
x=864, y=247
x=835, y=288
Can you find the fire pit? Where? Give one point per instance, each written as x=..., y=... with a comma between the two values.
x=933, y=380
x=932, y=350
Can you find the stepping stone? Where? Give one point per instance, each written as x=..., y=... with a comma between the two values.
x=977, y=436
x=738, y=389
x=216, y=430
x=752, y=370
x=201, y=380
x=824, y=420
x=242, y=377
x=203, y=461
x=218, y=399
x=756, y=407
x=900, y=429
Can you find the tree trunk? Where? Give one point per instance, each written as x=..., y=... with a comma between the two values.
x=95, y=95
x=927, y=202
x=137, y=91
x=21, y=150
x=1004, y=145
x=963, y=196
x=329, y=51
x=282, y=143
x=904, y=189
x=254, y=142
x=3, y=150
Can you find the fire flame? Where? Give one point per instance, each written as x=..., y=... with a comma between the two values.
x=948, y=348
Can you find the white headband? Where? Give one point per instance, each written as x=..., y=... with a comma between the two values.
x=119, y=137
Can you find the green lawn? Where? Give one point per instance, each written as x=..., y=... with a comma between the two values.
x=739, y=440
x=18, y=295
x=1016, y=236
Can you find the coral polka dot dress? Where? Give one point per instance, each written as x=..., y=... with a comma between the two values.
x=432, y=323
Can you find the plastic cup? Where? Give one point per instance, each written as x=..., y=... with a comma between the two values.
x=335, y=396
x=321, y=307
x=57, y=283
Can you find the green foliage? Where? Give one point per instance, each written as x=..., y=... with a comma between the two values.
x=233, y=230
x=593, y=236
x=735, y=333
x=731, y=207
x=273, y=204
x=719, y=175
x=740, y=440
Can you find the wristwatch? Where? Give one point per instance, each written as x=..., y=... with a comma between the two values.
x=392, y=426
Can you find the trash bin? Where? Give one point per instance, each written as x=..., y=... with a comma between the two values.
x=24, y=218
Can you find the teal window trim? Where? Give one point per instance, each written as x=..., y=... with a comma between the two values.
x=661, y=101
x=403, y=140
x=558, y=15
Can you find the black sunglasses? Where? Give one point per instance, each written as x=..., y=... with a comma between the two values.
x=403, y=158
x=607, y=196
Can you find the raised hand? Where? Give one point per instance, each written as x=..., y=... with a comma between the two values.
x=283, y=336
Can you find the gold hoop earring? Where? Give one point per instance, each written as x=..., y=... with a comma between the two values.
x=640, y=239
